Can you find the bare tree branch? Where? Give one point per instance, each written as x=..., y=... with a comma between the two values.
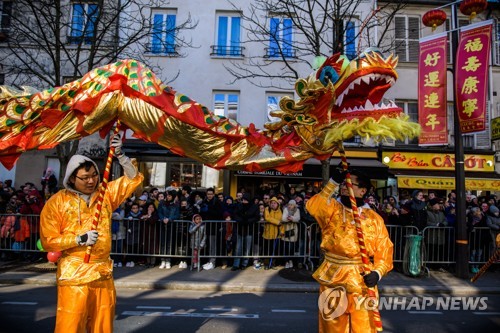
x=319, y=29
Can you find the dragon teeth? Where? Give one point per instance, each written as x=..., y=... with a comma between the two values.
x=368, y=105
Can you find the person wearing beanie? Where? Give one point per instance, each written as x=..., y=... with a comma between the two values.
x=342, y=265
x=197, y=241
x=246, y=216
x=419, y=209
x=289, y=231
x=272, y=217
x=86, y=296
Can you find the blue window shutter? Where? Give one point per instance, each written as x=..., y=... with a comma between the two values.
x=92, y=11
x=170, y=41
x=274, y=37
x=156, y=39
x=222, y=35
x=350, y=40
x=235, y=36
x=287, y=37
x=77, y=20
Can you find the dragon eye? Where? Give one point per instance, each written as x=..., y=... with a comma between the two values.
x=328, y=74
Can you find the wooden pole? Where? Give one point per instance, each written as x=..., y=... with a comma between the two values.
x=102, y=191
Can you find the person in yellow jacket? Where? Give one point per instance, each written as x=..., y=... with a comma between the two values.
x=343, y=304
x=86, y=294
x=272, y=216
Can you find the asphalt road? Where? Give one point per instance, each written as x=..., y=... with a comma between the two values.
x=30, y=308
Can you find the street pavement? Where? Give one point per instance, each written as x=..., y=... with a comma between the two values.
x=251, y=280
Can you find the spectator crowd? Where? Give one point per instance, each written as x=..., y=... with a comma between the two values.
x=234, y=233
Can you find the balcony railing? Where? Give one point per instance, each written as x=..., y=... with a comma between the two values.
x=273, y=52
x=227, y=51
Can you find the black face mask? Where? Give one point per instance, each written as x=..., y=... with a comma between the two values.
x=346, y=201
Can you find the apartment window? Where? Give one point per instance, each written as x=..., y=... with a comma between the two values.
x=228, y=39
x=407, y=34
x=350, y=34
x=163, y=38
x=411, y=109
x=5, y=12
x=83, y=19
x=226, y=104
x=281, y=38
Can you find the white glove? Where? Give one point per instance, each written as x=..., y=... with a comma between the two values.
x=117, y=143
x=88, y=238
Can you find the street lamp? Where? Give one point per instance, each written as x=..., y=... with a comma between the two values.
x=435, y=18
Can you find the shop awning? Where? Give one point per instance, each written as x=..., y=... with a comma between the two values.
x=446, y=181
x=371, y=167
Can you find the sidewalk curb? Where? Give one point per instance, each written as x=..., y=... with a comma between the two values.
x=306, y=287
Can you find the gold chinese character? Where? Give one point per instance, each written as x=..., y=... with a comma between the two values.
x=432, y=120
x=431, y=101
x=473, y=45
x=472, y=64
x=470, y=105
x=470, y=85
x=432, y=79
x=432, y=60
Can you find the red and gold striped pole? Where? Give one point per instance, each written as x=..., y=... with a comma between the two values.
x=102, y=191
x=491, y=261
x=377, y=321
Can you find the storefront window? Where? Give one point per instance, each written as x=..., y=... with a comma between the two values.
x=177, y=174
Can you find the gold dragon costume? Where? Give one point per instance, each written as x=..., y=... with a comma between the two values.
x=340, y=100
x=342, y=264
x=86, y=294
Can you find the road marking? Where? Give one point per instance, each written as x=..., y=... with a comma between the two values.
x=215, y=308
x=191, y=314
x=426, y=312
x=487, y=313
x=287, y=310
x=153, y=307
x=20, y=303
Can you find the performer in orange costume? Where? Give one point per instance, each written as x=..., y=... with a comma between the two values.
x=340, y=273
x=86, y=293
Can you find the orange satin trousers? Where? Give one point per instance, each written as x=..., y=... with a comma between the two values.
x=86, y=308
x=355, y=319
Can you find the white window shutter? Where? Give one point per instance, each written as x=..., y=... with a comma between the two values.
x=483, y=138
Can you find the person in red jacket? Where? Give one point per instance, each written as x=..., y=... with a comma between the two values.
x=31, y=207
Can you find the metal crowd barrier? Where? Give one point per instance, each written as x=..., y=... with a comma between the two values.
x=134, y=240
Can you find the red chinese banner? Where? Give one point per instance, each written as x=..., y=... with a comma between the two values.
x=432, y=101
x=471, y=75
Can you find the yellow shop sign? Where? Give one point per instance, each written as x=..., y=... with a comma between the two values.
x=447, y=183
x=435, y=161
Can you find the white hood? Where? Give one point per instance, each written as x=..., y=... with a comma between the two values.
x=73, y=164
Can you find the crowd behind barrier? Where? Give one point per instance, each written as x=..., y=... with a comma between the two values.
x=132, y=241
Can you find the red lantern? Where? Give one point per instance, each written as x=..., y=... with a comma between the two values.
x=53, y=256
x=434, y=18
x=473, y=7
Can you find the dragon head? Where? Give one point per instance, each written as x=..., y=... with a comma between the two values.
x=359, y=85
x=343, y=99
